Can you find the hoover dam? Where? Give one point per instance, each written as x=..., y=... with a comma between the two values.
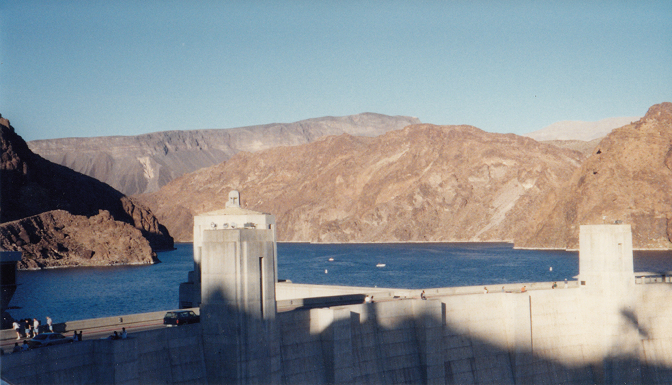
x=608, y=326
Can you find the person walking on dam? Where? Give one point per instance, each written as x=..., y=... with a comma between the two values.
x=17, y=329
x=27, y=328
x=36, y=327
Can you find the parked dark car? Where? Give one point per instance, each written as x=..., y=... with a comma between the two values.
x=182, y=317
x=48, y=339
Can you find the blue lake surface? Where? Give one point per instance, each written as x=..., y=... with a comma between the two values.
x=422, y=265
x=93, y=292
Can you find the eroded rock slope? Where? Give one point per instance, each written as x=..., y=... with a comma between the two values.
x=59, y=239
x=628, y=178
x=422, y=183
x=39, y=198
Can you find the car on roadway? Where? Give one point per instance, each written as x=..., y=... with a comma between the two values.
x=181, y=317
x=48, y=339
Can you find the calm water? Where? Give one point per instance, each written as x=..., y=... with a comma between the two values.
x=92, y=292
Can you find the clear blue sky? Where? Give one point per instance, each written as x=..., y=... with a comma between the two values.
x=97, y=68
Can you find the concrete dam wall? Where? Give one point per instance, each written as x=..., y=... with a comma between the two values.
x=541, y=336
x=164, y=356
x=500, y=338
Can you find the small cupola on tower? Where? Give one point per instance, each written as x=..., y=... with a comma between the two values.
x=234, y=199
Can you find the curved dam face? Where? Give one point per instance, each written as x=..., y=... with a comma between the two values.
x=539, y=336
x=604, y=328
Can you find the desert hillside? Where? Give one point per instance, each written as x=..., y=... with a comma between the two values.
x=58, y=217
x=422, y=183
x=145, y=163
x=628, y=178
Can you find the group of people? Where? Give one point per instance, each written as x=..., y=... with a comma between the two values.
x=27, y=328
x=77, y=337
x=115, y=336
x=118, y=336
x=20, y=348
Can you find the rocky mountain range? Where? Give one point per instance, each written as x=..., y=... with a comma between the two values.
x=145, y=163
x=628, y=178
x=421, y=183
x=59, y=217
x=445, y=183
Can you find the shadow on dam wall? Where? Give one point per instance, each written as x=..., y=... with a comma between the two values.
x=383, y=343
x=393, y=341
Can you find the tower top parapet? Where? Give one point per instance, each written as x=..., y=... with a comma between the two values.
x=231, y=217
x=233, y=207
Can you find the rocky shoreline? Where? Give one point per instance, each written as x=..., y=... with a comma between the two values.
x=107, y=265
x=57, y=217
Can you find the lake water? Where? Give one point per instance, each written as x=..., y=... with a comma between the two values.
x=92, y=292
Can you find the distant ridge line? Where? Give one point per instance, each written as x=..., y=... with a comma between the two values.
x=581, y=130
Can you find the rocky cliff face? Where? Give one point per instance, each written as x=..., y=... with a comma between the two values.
x=628, y=178
x=422, y=183
x=145, y=163
x=60, y=239
x=31, y=186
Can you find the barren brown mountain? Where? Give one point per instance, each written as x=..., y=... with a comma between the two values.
x=145, y=163
x=59, y=239
x=628, y=178
x=45, y=210
x=422, y=183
